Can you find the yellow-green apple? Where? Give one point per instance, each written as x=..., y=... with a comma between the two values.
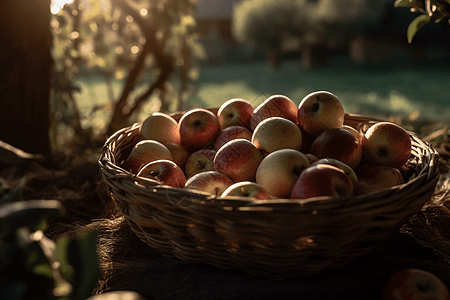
x=339, y=144
x=322, y=180
x=320, y=111
x=368, y=185
x=160, y=127
x=337, y=163
x=165, y=171
x=144, y=152
x=200, y=161
x=389, y=176
x=355, y=132
x=211, y=182
x=279, y=171
x=235, y=112
x=179, y=154
x=198, y=128
x=414, y=284
x=274, y=106
x=276, y=133
x=232, y=133
x=239, y=159
x=247, y=189
x=386, y=144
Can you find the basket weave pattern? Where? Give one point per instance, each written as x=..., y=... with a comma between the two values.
x=275, y=239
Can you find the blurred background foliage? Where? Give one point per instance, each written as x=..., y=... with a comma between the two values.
x=116, y=60
x=294, y=26
x=149, y=46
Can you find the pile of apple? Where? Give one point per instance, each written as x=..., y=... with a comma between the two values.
x=276, y=150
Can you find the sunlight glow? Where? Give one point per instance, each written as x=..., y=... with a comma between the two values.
x=134, y=49
x=143, y=12
x=57, y=5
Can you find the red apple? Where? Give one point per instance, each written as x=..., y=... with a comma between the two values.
x=307, y=140
x=414, y=284
x=279, y=171
x=234, y=112
x=276, y=133
x=160, y=127
x=337, y=163
x=165, y=171
x=198, y=128
x=232, y=133
x=144, y=152
x=339, y=144
x=239, y=159
x=179, y=154
x=355, y=132
x=322, y=180
x=211, y=182
x=311, y=158
x=387, y=175
x=274, y=106
x=200, y=161
x=386, y=144
x=320, y=111
x=247, y=189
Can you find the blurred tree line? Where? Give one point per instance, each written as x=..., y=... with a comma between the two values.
x=304, y=25
x=316, y=28
x=152, y=48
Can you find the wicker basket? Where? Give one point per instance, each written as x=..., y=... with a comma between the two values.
x=275, y=239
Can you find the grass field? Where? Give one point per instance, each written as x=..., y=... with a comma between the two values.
x=407, y=91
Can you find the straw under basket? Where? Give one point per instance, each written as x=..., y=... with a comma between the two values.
x=277, y=239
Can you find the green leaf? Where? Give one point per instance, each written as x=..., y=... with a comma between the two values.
x=437, y=17
x=83, y=257
x=43, y=269
x=27, y=213
x=62, y=246
x=36, y=255
x=415, y=25
x=403, y=3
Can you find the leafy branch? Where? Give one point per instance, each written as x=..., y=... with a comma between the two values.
x=431, y=11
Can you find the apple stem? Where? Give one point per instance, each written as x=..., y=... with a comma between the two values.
x=381, y=152
x=315, y=106
x=202, y=165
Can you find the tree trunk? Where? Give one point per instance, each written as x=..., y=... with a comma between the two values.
x=273, y=57
x=25, y=74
